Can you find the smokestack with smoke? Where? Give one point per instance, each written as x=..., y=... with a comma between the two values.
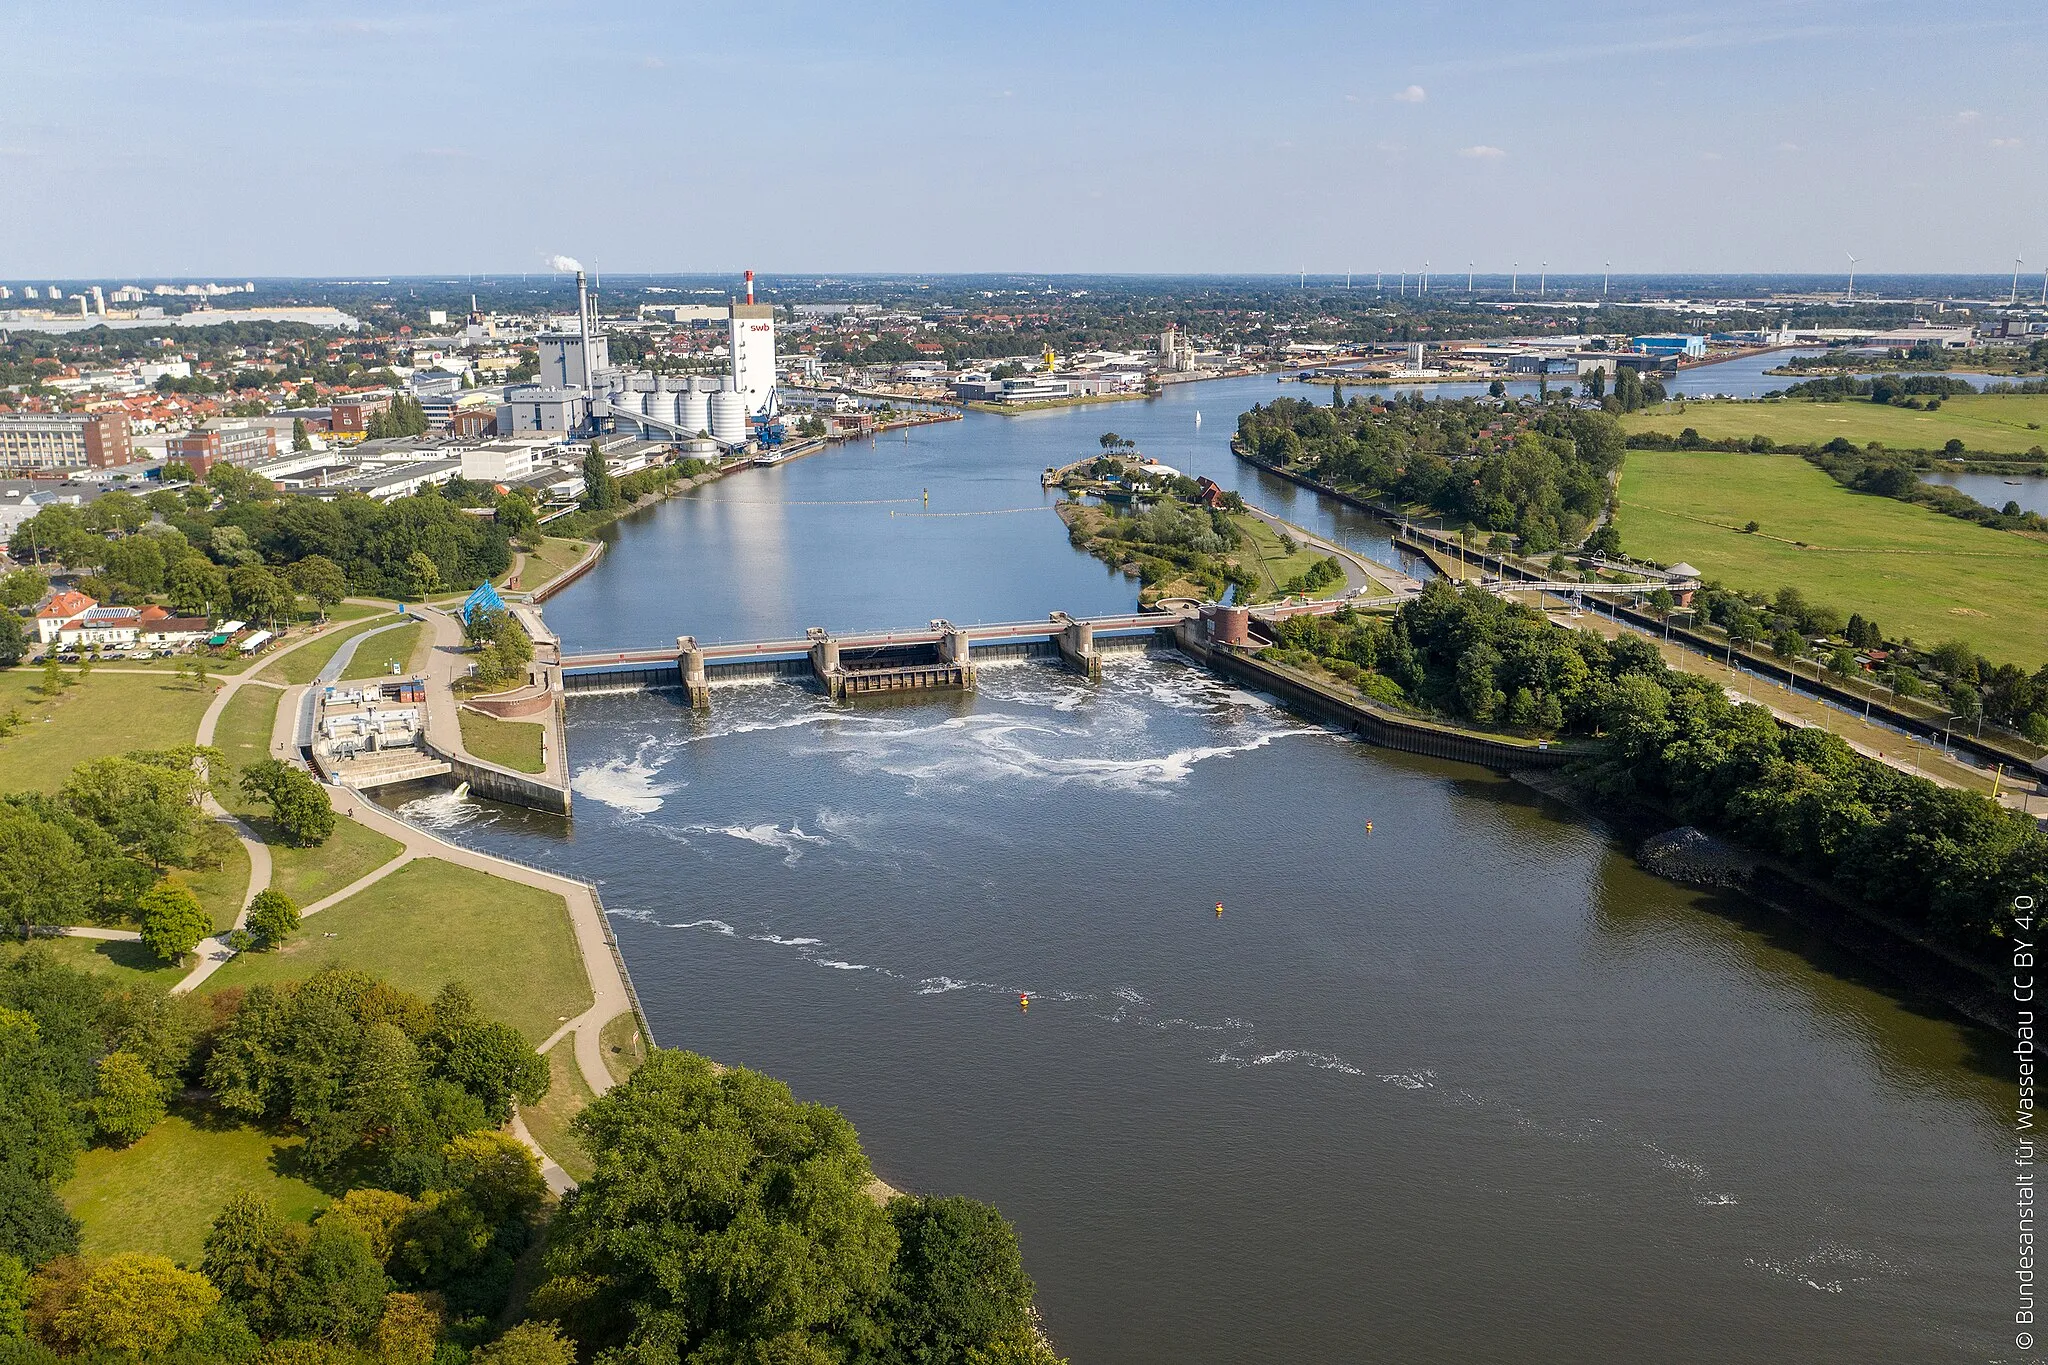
x=565, y=263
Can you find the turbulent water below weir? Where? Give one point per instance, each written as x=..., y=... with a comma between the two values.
x=1470, y=1087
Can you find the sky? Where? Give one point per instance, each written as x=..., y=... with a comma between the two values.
x=371, y=139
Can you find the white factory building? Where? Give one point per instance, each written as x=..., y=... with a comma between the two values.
x=579, y=391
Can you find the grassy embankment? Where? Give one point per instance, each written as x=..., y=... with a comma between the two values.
x=513, y=744
x=2006, y=424
x=567, y=1097
x=406, y=647
x=123, y=963
x=432, y=922
x=1916, y=572
x=546, y=562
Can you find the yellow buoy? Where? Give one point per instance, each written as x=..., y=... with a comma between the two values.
x=1219, y=909
x=1368, y=827
x=1023, y=1002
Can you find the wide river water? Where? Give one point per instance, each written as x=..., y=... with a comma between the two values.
x=1468, y=1087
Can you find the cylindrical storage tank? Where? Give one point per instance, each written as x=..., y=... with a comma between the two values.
x=693, y=409
x=728, y=417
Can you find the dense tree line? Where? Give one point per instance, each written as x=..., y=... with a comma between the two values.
x=233, y=543
x=1541, y=472
x=399, y=1099
x=728, y=1222
x=1941, y=861
x=1891, y=389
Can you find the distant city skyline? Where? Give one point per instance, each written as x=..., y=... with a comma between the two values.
x=1112, y=138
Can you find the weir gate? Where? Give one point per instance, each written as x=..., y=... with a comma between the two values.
x=940, y=657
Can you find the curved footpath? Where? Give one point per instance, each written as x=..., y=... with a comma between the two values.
x=609, y=995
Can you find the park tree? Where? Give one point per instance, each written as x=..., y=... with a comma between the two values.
x=22, y=588
x=272, y=917
x=42, y=872
x=422, y=574
x=300, y=806
x=259, y=593
x=337, y=1288
x=958, y=1285
x=13, y=640
x=173, y=921
x=137, y=1305
x=542, y=1343
x=600, y=489
x=409, y=1330
x=196, y=584
x=146, y=801
x=13, y=1298
x=723, y=1216
x=229, y=545
x=128, y=1098
x=300, y=440
x=321, y=579
x=514, y=512
x=251, y=1254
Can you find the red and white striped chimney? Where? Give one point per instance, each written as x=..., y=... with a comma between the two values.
x=750, y=286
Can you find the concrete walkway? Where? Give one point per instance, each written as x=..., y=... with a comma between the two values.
x=448, y=665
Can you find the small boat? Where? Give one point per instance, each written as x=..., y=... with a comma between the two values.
x=1198, y=417
x=2014, y=482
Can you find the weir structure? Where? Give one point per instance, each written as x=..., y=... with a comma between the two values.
x=846, y=666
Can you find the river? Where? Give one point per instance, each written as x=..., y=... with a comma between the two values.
x=1468, y=1087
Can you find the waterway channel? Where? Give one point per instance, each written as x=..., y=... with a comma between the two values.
x=1469, y=1087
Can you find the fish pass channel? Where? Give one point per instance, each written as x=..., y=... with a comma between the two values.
x=1469, y=1087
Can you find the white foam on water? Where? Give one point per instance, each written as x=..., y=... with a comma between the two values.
x=443, y=810
x=629, y=785
x=716, y=926
x=790, y=842
x=785, y=942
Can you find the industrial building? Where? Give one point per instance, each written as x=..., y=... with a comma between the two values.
x=579, y=392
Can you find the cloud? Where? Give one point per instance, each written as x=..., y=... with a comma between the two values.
x=1481, y=152
x=1351, y=99
x=1710, y=156
x=1968, y=116
x=1414, y=94
x=1788, y=146
x=653, y=63
x=2007, y=142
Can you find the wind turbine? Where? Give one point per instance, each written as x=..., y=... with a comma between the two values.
x=1468, y=277
x=1605, y=266
x=2015, y=281
x=1515, y=279
x=1425, y=277
x=1543, y=279
x=1852, y=278
x=2044, y=287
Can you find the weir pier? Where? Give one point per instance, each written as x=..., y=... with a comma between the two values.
x=938, y=657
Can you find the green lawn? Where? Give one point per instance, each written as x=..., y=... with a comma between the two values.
x=547, y=563
x=513, y=744
x=309, y=874
x=242, y=734
x=107, y=713
x=567, y=1097
x=1995, y=423
x=125, y=963
x=161, y=1194
x=1916, y=572
x=302, y=665
x=624, y=1048
x=375, y=658
x=1275, y=565
x=432, y=922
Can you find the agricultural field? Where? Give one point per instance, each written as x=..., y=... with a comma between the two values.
x=2004, y=424
x=1918, y=573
